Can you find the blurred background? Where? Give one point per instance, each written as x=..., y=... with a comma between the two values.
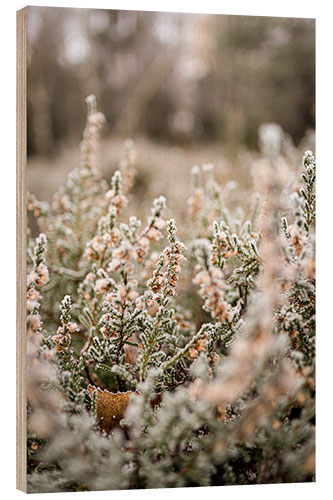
x=187, y=88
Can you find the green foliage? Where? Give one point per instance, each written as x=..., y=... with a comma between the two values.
x=228, y=399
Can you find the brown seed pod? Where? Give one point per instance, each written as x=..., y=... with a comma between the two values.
x=111, y=407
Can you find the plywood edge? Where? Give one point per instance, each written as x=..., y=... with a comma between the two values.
x=21, y=159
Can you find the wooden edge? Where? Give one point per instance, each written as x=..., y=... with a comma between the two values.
x=21, y=227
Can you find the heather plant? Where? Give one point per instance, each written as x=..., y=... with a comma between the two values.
x=142, y=379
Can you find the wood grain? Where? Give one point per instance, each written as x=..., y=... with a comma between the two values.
x=21, y=229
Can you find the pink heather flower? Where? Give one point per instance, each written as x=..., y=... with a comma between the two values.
x=101, y=285
x=43, y=275
x=122, y=293
x=132, y=295
x=73, y=327
x=144, y=242
x=159, y=224
x=34, y=322
x=153, y=234
x=114, y=265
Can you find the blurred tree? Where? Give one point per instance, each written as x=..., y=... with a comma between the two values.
x=265, y=71
x=179, y=77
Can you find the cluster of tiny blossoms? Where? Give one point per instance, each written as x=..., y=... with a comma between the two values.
x=117, y=300
x=62, y=339
x=108, y=234
x=224, y=246
x=211, y=282
x=133, y=247
x=220, y=248
x=297, y=238
x=115, y=195
x=163, y=283
x=199, y=347
x=38, y=276
x=304, y=203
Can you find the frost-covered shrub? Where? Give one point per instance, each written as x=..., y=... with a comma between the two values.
x=148, y=380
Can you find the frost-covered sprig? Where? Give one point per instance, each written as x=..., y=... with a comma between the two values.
x=133, y=247
x=108, y=235
x=73, y=217
x=37, y=278
x=212, y=285
x=163, y=285
x=39, y=275
x=220, y=247
x=115, y=194
x=309, y=179
x=116, y=320
x=304, y=210
x=243, y=247
x=70, y=367
x=296, y=316
x=229, y=263
x=62, y=339
x=196, y=345
x=156, y=223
